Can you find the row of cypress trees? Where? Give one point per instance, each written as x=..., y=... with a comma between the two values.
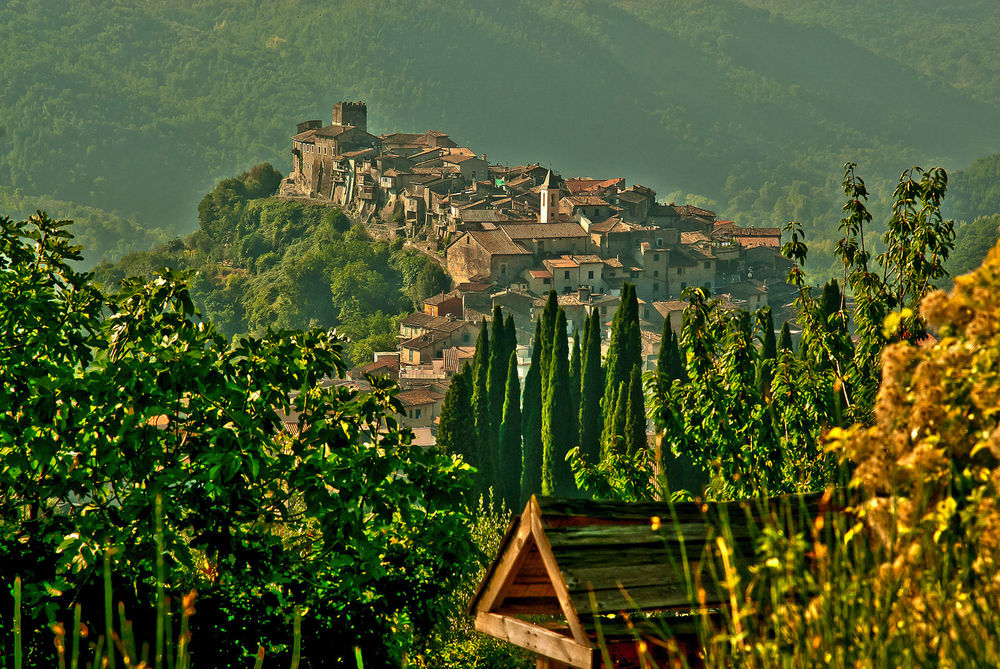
x=518, y=441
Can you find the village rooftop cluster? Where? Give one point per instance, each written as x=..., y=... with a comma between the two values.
x=510, y=234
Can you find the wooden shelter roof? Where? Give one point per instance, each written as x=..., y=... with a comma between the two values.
x=579, y=566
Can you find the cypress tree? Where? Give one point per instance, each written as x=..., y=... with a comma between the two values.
x=548, y=331
x=510, y=439
x=591, y=387
x=574, y=385
x=613, y=437
x=557, y=437
x=768, y=352
x=669, y=366
x=496, y=381
x=481, y=408
x=457, y=427
x=625, y=350
x=635, y=414
x=531, y=422
x=510, y=334
x=786, y=339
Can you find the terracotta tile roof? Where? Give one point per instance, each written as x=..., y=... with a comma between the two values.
x=441, y=297
x=496, y=242
x=587, y=201
x=666, y=307
x=472, y=287
x=544, y=230
x=612, y=224
x=690, y=210
x=590, y=258
x=419, y=396
x=582, y=185
x=540, y=273
x=693, y=237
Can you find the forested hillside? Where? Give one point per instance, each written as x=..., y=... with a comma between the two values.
x=261, y=262
x=754, y=105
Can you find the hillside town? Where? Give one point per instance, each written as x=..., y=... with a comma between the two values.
x=508, y=235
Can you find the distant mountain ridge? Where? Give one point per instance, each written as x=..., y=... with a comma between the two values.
x=142, y=107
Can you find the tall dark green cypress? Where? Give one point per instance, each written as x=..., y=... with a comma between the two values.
x=496, y=381
x=768, y=352
x=531, y=422
x=510, y=439
x=669, y=366
x=481, y=409
x=548, y=331
x=510, y=334
x=786, y=339
x=591, y=388
x=557, y=435
x=635, y=415
x=457, y=424
x=624, y=351
x=614, y=437
x=574, y=384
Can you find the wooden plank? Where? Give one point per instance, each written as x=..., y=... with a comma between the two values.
x=562, y=593
x=551, y=645
x=646, y=598
x=638, y=536
x=542, y=590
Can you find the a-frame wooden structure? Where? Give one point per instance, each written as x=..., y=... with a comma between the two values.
x=570, y=572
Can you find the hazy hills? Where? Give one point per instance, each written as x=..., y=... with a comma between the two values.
x=141, y=107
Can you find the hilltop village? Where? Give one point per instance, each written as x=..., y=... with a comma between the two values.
x=507, y=235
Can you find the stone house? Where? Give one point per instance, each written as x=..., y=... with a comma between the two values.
x=444, y=304
x=487, y=252
x=421, y=406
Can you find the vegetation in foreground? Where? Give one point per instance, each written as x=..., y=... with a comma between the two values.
x=280, y=493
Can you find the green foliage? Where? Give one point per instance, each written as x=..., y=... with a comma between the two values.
x=531, y=422
x=288, y=264
x=754, y=437
x=558, y=437
x=973, y=240
x=110, y=401
x=457, y=425
x=624, y=353
x=634, y=434
x=510, y=440
x=591, y=389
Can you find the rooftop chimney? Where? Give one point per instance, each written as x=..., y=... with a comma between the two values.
x=583, y=294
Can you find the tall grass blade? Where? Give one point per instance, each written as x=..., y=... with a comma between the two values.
x=109, y=621
x=74, y=660
x=260, y=657
x=17, y=623
x=297, y=638
x=357, y=657
x=161, y=576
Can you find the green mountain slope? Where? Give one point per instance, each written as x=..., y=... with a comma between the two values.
x=141, y=107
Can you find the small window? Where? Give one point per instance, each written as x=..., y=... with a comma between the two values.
x=683, y=285
x=635, y=275
x=546, y=282
x=566, y=274
x=708, y=264
x=680, y=270
x=418, y=414
x=656, y=273
x=590, y=274
x=410, y=353
x=604, y=309
x=503, y=268
x=656, y=257
x=659, y=242
x=645, y=313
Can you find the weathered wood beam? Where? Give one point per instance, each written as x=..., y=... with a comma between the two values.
x=547, y=643
x=562, y=592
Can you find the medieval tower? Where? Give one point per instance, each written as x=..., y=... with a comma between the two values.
x=351, y=113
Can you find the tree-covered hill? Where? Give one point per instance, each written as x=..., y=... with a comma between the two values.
x=260, y=262
x=140, y=107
